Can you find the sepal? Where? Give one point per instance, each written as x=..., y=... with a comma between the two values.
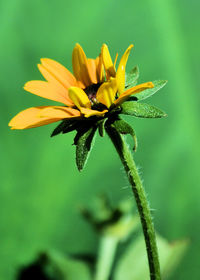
x=124, y=128
x=66, y=126
x=101, y=127
x=141, y=110
x=83, y=141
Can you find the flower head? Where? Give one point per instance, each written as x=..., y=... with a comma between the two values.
x=91, y=91
x=93, y=95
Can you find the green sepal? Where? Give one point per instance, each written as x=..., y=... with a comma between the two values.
x=83, y=142
x=101, y=127
x=131, y=78
x=141, y=110
x=66, y=126
x=124, y=128
x=149, y=92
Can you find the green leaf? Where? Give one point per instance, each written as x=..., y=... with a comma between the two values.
x=141, y=110
x=124, y=128
x=83, y=142
x=55, y=266
x=132, y=77
x=134, y=264
x=148, y=92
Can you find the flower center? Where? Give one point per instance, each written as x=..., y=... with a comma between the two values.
x=91, y=92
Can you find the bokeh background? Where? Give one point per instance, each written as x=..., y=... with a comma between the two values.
x=41, y=188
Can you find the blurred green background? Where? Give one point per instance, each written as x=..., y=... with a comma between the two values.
x=41, y=188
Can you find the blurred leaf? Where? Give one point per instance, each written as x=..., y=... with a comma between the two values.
x=133, y=265
x=148, y=92
x=117, y=222
x=83, y=142
x=141, y=110
x=124, y=128
x=54, y=266
x=132, y=77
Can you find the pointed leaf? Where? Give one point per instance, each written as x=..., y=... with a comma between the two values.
x=141, y=110
x=134, y=265
x=132, y=77
x=83, y=142
x=124, y=128
x=148, y=92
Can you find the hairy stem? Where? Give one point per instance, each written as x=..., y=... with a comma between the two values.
x=141, y=201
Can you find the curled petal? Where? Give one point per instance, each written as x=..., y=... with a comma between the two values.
x=120, y=76
x=81, y=67
x=92, y=70
x=107, y=62
x=79, y=97
x=48, y=91
x=107, y=92
x=89, y=112
x=95, y=68
x=115, y=60
x=99, y=68
x=38, y=116
x=132, y=91
x=58, y=112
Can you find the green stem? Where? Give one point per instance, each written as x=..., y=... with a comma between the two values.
x=106, y=254
x=141, y=201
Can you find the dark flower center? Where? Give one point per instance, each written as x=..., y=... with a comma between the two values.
x=91, y=92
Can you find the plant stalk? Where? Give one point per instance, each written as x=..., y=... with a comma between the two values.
x=106, y=255
x=141, y=201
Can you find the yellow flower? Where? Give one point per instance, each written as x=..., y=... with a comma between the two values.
x=94, y=89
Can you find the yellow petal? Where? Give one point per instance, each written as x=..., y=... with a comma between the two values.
x=59, y=112
x=115, y=60
x=31, y=117
x=133, y=90
x=56, y=73
x=121, y=70
x=89, y=112
x=54, y=81
x=81, y=66
x=95, y=69
x=92, y=70
x=99, y=68
x=107, y=92
x=49, y=91
x=79, y=97
x=107, y=62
